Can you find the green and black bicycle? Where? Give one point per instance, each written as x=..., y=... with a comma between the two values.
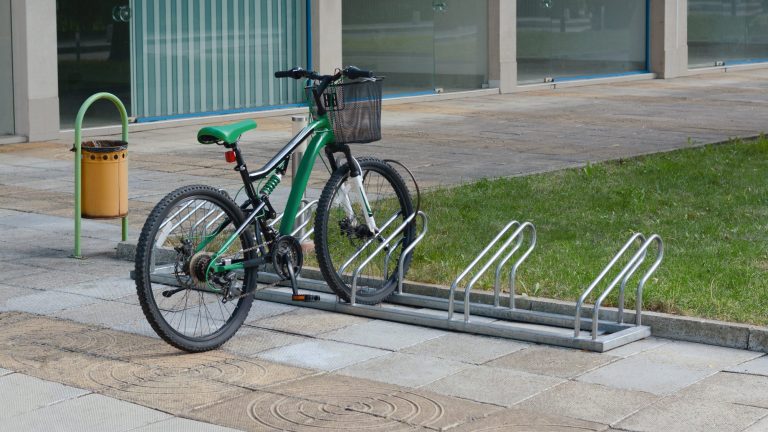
x=199, y=253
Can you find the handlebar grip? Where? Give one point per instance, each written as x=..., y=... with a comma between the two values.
x=295, y=73
x=353, y=72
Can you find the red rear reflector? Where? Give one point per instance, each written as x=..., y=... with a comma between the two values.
x=230, y=156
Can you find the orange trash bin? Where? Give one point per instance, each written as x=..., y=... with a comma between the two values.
x=104, y=186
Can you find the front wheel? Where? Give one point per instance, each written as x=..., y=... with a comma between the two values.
x=343, y=241
x=188, y=305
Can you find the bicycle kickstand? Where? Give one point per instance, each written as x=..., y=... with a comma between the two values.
x=295, y=286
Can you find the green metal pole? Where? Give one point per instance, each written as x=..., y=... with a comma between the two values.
x=78, y=161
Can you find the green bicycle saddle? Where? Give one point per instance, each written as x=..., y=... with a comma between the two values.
x=228, y=134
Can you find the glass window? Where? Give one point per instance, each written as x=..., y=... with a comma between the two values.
x=199, y=56
x=93, y=56
x=6, y=70
x=727, y=32
x=166, y=58
x=580, y=38
x=418, y=45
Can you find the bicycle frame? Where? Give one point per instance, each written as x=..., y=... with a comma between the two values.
x=323, y=137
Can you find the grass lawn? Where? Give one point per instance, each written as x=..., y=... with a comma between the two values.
x=709, y=204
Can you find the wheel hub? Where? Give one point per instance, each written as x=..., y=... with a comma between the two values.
x=198, y=266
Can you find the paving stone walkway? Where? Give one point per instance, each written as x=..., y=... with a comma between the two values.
x=73, y=339
x=77, y=354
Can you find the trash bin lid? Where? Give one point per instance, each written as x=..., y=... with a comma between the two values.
x=103, y=146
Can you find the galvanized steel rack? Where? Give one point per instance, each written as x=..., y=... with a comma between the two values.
x=501, y=317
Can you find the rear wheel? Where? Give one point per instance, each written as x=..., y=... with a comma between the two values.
x=183, y=300
x=341, y=235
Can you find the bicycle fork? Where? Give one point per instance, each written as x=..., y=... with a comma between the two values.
x=346, y=201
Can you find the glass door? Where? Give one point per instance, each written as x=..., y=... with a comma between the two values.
x=567, y=39
x=460, y=44
x=393, y=38
x=94, y=56
x=6, y=70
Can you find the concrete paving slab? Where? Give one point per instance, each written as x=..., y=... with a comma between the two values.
x=21, y=394
x=139, y=327
x=263, y=309
x=504, y=387
x=404, y=369
x=110, y=288
x=758, y=366
x=431, y=410
x=416, y=407
x=343, y=390
x=47, y=302
x=320, y=354
x=695, y=355
x=520, y=420
x=9, y=318
x=8, y=292
x=99, y=261
x=551, y=361
x=182, y=425
x=114, y=345
x=466, y=348
x=266, y=411
x=106, y=314
x=132, y=299
x=645, y=375
x=176, y=390
x=95, y=413
x=736, y=388
x=11, y=270
x=255, y=373
x=637, y=347
x=589, y=402
x=53, y=364
x=684, y=414
x=309, y=322
x=172, y=358
x=31, y=329
x=50, y=280
x=249, y=341
x=384, y=334
x=759, y=426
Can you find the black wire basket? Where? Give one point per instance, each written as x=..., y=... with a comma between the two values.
x=354, y=109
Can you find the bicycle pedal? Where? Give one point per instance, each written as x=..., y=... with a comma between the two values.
x=305, y=298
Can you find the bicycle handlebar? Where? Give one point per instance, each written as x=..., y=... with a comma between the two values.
x=351, y=72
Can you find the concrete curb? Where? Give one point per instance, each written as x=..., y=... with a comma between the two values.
x=682, y=328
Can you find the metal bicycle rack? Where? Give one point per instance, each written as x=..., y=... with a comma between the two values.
x=497, y=316
x=303, y=218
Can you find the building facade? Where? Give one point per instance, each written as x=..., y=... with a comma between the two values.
x=173, y=59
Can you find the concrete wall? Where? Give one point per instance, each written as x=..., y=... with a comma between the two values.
x=36, y=87
x=7, y=125
x=502, y=44
x=326, y=35
x=669, y=38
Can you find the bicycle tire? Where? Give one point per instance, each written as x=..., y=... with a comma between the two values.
x=377, y=283
x=147, y=269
